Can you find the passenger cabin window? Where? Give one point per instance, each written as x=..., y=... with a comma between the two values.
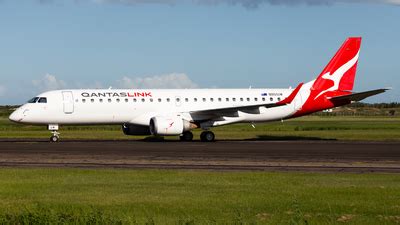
x=195, y=99
x=33, y=100
x=42, y=100
x=186, y=99
x=92, y=100
x=159, y=100
x=234, y=99
x=101, y=100
x=219, y=99
x=271, y=99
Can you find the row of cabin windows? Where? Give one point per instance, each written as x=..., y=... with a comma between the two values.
x=186, y=99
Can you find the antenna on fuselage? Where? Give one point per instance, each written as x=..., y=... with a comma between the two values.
x=110, y=88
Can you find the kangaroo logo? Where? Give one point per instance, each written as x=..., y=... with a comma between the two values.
x=338, y=74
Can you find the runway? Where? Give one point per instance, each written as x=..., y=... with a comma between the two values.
x=321, y=156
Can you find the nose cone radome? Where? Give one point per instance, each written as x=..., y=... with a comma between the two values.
x=15, y=116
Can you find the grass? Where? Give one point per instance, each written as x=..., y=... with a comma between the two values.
x=114, y=196
x=309, y=128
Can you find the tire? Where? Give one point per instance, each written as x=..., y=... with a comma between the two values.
x=207, y=136
x=186, y=136
x=54, y=138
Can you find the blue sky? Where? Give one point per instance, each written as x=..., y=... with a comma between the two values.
x=184, y=44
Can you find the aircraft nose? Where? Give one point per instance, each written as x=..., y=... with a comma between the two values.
x=15, y=116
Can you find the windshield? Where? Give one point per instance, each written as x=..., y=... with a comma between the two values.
x=33, y=100
x=42, y=100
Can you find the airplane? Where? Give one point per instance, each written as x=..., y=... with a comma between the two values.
x=176, y=112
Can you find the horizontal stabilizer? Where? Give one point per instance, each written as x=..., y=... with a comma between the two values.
x=355, y=97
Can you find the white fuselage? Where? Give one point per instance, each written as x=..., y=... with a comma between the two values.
x=118, y=106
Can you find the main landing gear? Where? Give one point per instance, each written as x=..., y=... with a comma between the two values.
x=186, y=136
x=206, y=136
x=55, y=137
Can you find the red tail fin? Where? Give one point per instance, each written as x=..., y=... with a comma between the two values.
x=335, y=80
x=340, y=72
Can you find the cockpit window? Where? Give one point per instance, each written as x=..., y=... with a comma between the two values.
x=33, y=100
x=42, y=100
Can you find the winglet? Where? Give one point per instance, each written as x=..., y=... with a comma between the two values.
x=290, y=98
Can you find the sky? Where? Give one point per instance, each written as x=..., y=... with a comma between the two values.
x=57, y=44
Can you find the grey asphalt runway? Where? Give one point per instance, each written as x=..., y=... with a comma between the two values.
x=325, y=156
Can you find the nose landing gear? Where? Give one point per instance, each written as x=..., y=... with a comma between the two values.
x=54, y=131
x=55, y=137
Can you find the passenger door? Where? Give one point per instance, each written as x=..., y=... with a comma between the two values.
x=68, y=101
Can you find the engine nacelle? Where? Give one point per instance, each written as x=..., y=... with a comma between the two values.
x=174, y=125
x=130, y=129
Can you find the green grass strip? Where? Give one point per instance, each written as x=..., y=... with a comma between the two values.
x=112, y=196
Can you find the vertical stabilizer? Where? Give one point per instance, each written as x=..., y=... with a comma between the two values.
x=340, y=72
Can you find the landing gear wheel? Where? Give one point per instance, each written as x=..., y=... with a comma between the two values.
x=207, y=136
x=186, y=136
x=54, y=138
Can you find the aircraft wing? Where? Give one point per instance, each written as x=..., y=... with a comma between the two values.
x=249, y=108
x=355, y=97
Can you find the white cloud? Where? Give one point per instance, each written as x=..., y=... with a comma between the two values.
x=167, y=81
x=49, y=82
x=173, y=80
x=2, y=91
x=94, y=85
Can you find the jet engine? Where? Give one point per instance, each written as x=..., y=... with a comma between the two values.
x=131, y=129
x=173, y=125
